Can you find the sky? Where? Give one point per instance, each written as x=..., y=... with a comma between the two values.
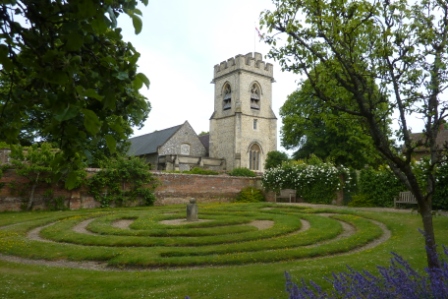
x=180, y=43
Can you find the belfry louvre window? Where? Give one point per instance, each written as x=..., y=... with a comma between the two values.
x=254, y=157
x=227, y=100
x=255, y=97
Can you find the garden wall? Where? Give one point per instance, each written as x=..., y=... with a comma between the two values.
x=173, y=188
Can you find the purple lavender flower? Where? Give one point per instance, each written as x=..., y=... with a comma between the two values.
x=399, y=280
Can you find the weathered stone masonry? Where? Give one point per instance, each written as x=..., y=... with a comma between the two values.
x=243, y=127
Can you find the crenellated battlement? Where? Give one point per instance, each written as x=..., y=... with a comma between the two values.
x=252, y=62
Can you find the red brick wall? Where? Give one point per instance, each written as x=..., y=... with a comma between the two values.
x=177, y=188
x=173, y=188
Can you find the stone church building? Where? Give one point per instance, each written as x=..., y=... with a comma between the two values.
x=243, y=127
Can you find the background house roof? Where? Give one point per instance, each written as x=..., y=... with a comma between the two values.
x=441, y=141
x=148, y=143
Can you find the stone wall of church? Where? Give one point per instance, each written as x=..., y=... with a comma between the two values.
x=184, y=142
x=232, y=130
x=222, y=140
x=263, y=135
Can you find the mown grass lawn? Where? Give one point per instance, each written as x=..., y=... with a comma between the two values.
x=227, y=256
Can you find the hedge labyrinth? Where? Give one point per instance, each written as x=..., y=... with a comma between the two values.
x=160, y=238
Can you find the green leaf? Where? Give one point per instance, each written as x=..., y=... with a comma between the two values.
x=142, y=78
x=91, y=93
x=117, y=126
x=137, y=11
x=72, y=180
x=68, y=113
x=99, y=24
x=56, y=77
x=91, y=121
x=112, y=17
x=137, y=22
x=122, y=76
x=74, y=42
x=4, y=59
x=111, y=143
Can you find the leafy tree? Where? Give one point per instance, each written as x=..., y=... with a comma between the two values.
x=39, y=165
x=67, y=76
x=401, y=47
x=313, y=127
x=275, y=158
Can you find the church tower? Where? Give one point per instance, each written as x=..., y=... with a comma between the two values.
x=243, y=127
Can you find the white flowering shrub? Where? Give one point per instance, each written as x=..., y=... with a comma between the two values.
x=314, y=183
x=440, y=199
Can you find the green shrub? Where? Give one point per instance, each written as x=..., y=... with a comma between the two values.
x=275, y=159
x=250, y=194
x=242, y=171
x=379, y=187
x=440, y=199
x=360, y=200
x=122, y=180
x=198, y=170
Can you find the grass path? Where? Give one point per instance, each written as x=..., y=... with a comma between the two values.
x=241, y=250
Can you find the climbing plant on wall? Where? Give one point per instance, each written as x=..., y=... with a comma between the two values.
x=122, y=180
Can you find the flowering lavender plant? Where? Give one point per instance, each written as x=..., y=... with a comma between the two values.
x=399, y=280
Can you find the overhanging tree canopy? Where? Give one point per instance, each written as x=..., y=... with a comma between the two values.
x=67, y=76
x=399, y=46
x=310, y=126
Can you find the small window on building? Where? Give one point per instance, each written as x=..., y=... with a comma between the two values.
x=185, y=149
x=255, y=97
x=255, y=123
x=227, y=100
x=254, y=157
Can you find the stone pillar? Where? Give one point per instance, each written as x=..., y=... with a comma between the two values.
x=192, y=210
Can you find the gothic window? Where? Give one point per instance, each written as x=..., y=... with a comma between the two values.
x=254, y=157
x=255, y=97
x=255, y=124
x=227, y=100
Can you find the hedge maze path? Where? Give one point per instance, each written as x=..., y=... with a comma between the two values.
x=159, y=237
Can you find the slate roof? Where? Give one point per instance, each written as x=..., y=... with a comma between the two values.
x=148, y=143
x=441, y=141
x=205, y=140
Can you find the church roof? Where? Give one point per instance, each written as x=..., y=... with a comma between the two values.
x=148, y=143
x=205, y=139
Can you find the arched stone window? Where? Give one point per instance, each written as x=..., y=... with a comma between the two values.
x=255, y=97
x=254, y=157
x=227, y=98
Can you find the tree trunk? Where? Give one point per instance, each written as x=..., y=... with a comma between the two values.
x=430, y=243
x=31, y=199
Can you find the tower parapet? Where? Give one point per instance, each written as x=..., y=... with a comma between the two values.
x=251, y=62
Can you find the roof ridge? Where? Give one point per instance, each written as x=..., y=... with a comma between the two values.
x=156, y=131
